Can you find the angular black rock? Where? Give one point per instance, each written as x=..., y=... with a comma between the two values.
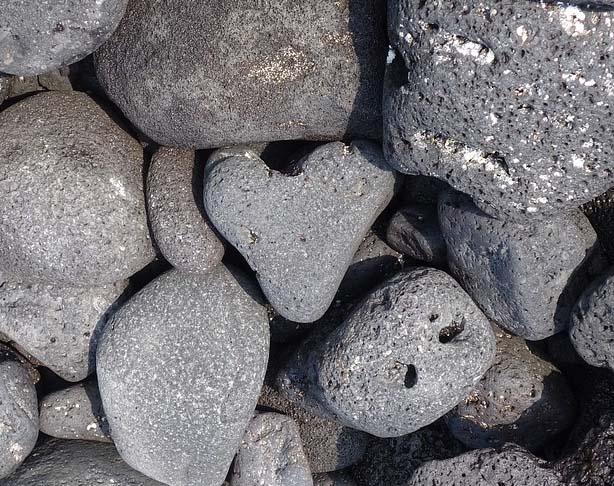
x=198, y=75
x=525, y=277
x=507, y=102
x=406, y=355
x=40, y=36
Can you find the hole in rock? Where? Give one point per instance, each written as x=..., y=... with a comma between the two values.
x=411, y=377
x=450, y=332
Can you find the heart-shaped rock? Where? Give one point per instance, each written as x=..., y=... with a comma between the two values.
x=299, y=232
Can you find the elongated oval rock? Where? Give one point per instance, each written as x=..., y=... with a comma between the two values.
x=72, y=208
x=299, y=232
x=406, y=355
x=176, y=216
x=40, y=36
x=525, y=277
x=179, y=369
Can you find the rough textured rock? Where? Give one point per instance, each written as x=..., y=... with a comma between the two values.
x=75, y=413
x=592, y=323
x=415, y=232
x=58, y=326
x=72, y=208
x=179, y=369
x=18, y=413
x=199, y=75
x=5, y=86
x=521, y=399
x=506, y=102
x=176, y=216
x=525, y=277
x=339, y=478
x=271, y=454
x=329, y=446
x=392, y=461
x=299, y=232
x=57, y=462
x=422, y=190
x=41, y=36
x=600, y=212
x=56, y=80
x=487, y=467
x=406, y=355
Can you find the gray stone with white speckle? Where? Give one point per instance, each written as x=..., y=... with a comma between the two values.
x=57, y=462
x=75, y=413
x=299, y=232
x=406, y=355
x=177, y=219
x=338, y=478
x=592, y=323
x=521, y=399
x=58, y=326
x=506, y=102
x=202, y=75
x=525, y=277
x=72, y=207
x=41, y=36
x=271, y=454
x=180, y=367
x=18, y=413
x=511, y=465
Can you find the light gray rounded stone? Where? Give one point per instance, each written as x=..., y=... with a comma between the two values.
x=180, y=367
x=511, y=466
x=57, y=462
x=177, y=219
x=75, y=413
x=521, y=399
x=36, y=37
x=72, y=207
x=271, y=454
x=405, y=356
x=592, y=323
x=299, y=232
x=18, y=414
x=525, y=277
x=338, y=478
x=58, y=326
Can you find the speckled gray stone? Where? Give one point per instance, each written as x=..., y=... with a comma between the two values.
x=339, y=478
x=271, y=454
x=506, y=102
x=511, y=466
x=72, y=208
x=75, y=413
x=328, y=444
x=415, y=232
x=176, y=216
x=179, y=369
x=521, y=399
x=526, y=277
x=592, y=323
x=406, y=355
x=200, y=75
x=18, y=413
x=57, y=462
x=36, y=37
x=58, y=326
x=299, y=232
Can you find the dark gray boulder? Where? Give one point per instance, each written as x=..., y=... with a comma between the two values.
x=177, y=219
x=506, y=102
x=57, y=462
x=199, y=75
x=525, y=277
x=271, y=453
x=179, y=367
x=521, y=399
x=592, y=323
x=75, y=413
x=405, y=356
x=338, y=478
x=58, y=326
x=36, y=37
x=72, y=208
x=600, y=212
x=299, y=232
